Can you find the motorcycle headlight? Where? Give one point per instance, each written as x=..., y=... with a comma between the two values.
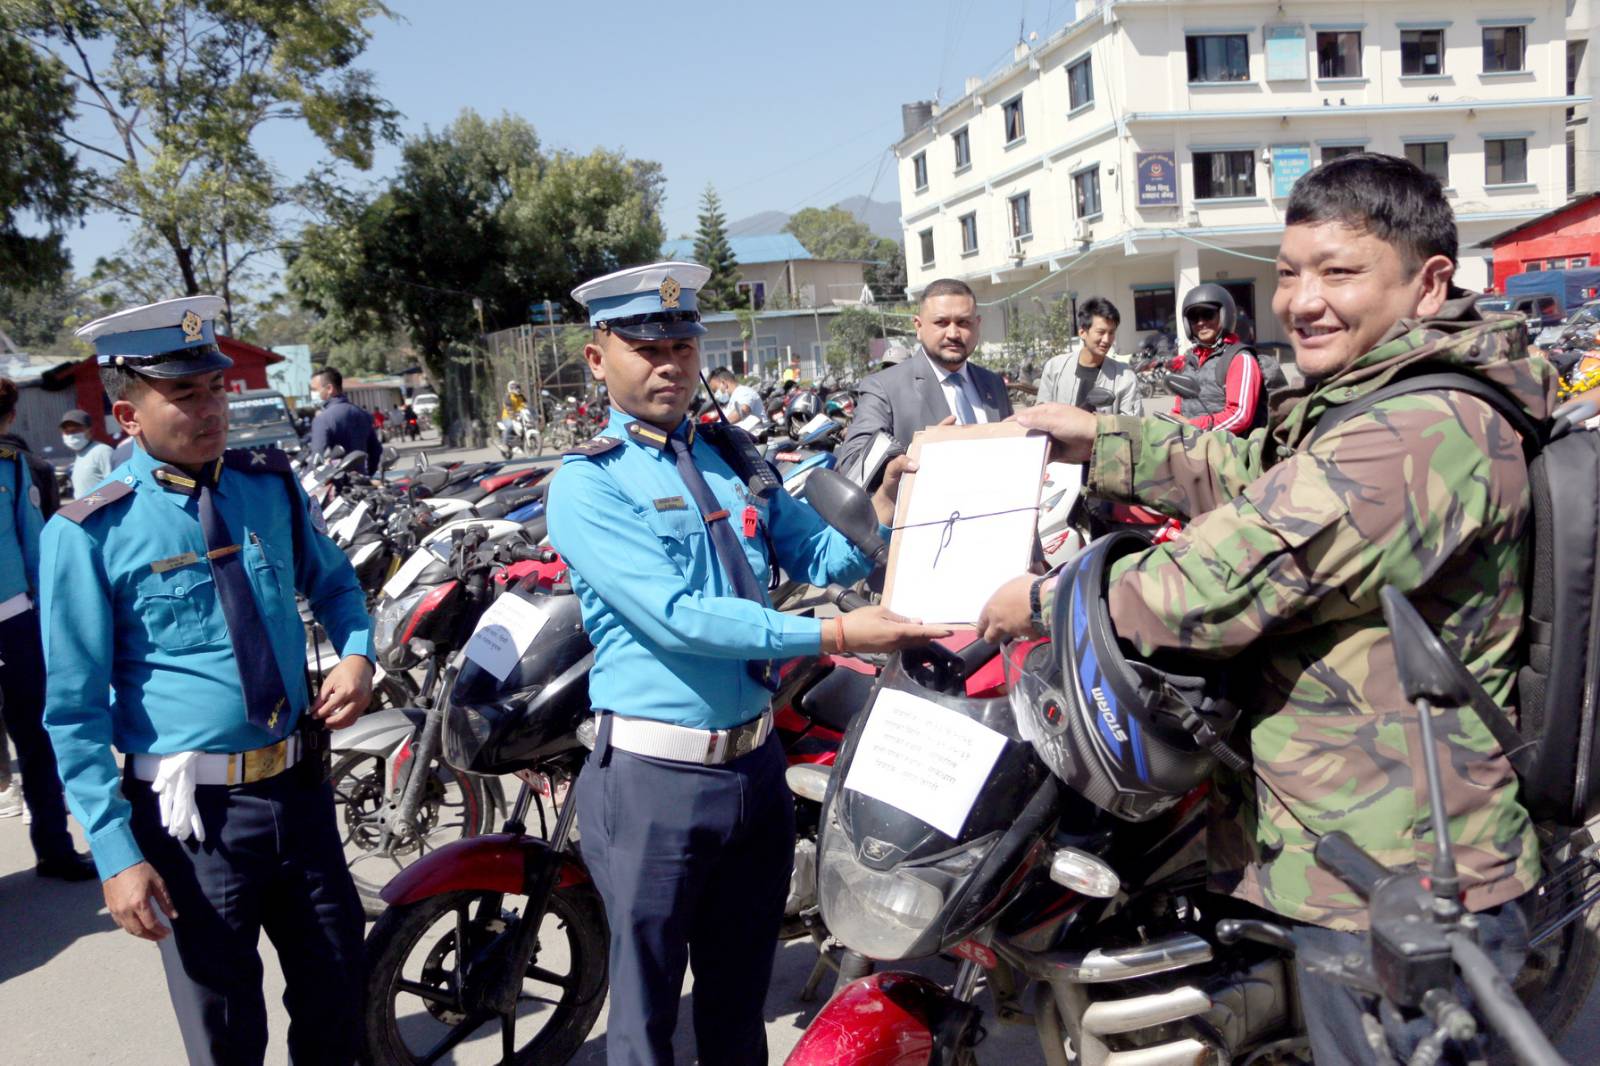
x=388, y=620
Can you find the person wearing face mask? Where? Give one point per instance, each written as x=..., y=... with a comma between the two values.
x=91, y=463
x=738, y=401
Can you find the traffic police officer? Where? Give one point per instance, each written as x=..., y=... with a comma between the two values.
x=22, y=662
x=686, y=824
x=171, y=633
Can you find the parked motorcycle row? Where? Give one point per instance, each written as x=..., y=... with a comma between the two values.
x=1089, y=926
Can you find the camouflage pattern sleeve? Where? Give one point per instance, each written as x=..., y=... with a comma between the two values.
x=1178, y=470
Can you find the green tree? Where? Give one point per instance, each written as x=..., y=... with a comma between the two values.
x=474, y=212
x=834, y=233
x=40, y=319
x=181, y=88
x=39, y=178
x=711, y=249
x=849, y=351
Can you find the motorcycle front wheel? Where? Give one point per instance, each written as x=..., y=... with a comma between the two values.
x=426, y=994
x=454, y=805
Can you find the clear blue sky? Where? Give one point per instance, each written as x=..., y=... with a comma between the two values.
x=780, y=105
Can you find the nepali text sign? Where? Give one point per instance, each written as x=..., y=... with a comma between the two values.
x=1158, y=179
x=1286, y=53
x=1289, y=164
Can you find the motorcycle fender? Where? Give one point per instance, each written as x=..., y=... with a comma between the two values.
x=887, y=1019
x=494, y=862
x=378, y=733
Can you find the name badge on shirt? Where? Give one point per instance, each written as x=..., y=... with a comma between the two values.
x=163, y=565
x=671, y=503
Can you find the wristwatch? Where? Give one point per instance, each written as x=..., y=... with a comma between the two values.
x=1036, y=610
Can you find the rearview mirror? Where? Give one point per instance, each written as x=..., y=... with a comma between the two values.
x=846, y=507
x=1183, y=385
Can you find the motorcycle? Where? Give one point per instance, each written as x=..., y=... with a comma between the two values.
x=1093, y=928
x=519, y=431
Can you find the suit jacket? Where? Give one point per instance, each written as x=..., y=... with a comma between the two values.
x=908, y=397
x=1116, y=376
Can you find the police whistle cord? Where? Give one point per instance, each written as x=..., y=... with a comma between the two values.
x=949, y=525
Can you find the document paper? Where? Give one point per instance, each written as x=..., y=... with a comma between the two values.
x=923, y=759
x=504, y=633
x=968, y=527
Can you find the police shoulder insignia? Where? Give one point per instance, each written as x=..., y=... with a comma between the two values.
x=7, y=453
x=594, y=446
x=78, y=510
x=257, y=460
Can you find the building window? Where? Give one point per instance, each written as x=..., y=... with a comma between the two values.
x=1421, y=52
x=1012, y=110
x=1433, y=157
x=1219, y=57
x=969, y=234
x=919, y=170
x=1505, y=162
x=1021, y=216
x=1155, y=309
x=759, y=288
x=1533, y=266
x=1220, y=175
x=1578, y=262
x=1086, y=192
x=1080, y=83
x=963, y=149
x=1504, y=48
x=925, y=238
x=1330, y=152
x=1339, y=54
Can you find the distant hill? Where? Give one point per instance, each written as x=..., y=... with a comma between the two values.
x=883, y=219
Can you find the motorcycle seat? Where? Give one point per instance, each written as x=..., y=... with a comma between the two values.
x=837, y=698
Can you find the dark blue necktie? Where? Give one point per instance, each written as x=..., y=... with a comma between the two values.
x=726, y=542
x=266, y=700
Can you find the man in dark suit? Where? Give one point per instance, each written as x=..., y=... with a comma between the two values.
x=935, y=383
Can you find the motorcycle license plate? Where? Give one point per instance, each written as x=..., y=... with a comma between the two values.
x=924, y=759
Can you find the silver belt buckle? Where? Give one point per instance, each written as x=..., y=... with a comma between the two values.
x=717, y=747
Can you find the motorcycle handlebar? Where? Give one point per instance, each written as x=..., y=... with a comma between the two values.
x=1345, y=859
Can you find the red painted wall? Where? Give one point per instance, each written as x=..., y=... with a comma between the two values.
x=1572, y=231
x=249, y=371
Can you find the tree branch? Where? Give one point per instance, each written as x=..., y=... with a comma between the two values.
x=86, y=146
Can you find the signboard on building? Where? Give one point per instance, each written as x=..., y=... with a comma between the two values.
x=1286, y=53
x=1289, y=164
x=1158, y=179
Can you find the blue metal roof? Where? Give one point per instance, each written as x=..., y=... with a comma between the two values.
x=768, y=248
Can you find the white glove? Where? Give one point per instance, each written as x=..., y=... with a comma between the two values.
x=174, y=785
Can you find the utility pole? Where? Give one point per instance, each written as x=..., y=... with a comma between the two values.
x=478, y=437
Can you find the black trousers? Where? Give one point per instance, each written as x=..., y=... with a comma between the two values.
x=693, y=864
x=272, y=860
x=1333, y=1012
x=22, y=684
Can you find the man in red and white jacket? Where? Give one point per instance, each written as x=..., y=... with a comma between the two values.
x=1232, y=393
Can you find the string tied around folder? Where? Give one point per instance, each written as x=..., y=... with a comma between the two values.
x=949, y=524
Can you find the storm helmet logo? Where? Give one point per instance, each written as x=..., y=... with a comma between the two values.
x=1108, y=714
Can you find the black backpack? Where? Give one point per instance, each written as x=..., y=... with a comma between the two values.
x=1555, y=752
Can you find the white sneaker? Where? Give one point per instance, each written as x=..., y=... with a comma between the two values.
x=11, y=803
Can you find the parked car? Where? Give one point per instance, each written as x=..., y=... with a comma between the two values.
x=260, y=418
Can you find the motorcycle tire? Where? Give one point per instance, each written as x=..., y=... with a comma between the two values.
x=574, y=914
x=1556, y=982
x=359, y=793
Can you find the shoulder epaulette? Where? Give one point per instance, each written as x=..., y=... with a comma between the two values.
x=257, y=460
x=594, y=446
x=110, y=492
x=7, y=452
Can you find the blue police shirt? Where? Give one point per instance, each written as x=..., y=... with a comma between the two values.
x=671, y=636
x=343, y=423
x=20, y=523
x=136, y=643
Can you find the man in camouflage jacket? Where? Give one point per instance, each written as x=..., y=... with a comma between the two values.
x=1289, y=542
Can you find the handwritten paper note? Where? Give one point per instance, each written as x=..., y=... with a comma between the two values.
x=504, y=633
x=923, y=759
x=968, y=525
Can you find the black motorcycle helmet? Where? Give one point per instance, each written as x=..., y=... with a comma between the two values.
x=498, y=727
x=1215, y=296
x=1127, y=735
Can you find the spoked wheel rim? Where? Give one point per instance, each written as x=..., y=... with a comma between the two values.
x=450, y=808
x=435, y=1001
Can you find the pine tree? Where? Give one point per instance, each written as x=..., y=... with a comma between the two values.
x=711, y=249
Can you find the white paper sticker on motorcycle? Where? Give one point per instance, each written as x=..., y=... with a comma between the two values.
x=504, y=633
x=345, y=528
x=403, y=577
x=924, y=759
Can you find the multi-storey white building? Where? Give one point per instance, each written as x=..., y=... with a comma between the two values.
x=1150, y=145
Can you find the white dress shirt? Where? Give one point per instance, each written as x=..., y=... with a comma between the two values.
x=950, y=386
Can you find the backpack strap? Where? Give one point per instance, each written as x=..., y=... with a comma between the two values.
x=1519, y=751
